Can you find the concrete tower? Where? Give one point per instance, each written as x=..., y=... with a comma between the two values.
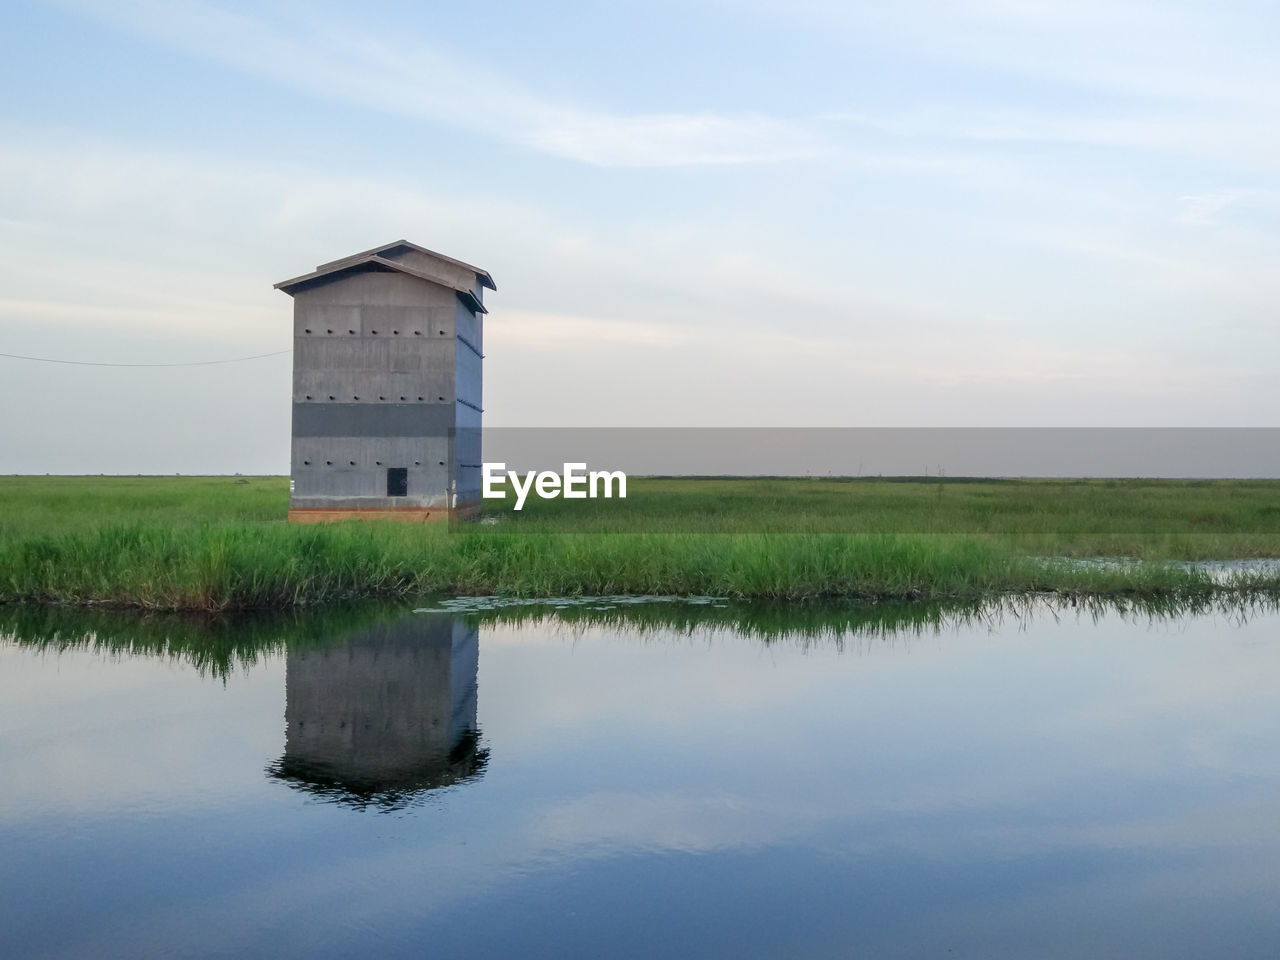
x=387, y=385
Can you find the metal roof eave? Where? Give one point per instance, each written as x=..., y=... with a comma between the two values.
x=470, y=302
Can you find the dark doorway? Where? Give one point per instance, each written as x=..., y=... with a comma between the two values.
x=397, y=481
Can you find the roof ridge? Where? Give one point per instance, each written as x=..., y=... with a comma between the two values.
x=337, y=266
x=481, y=274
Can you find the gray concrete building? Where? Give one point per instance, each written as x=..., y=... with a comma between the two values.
x=387, y=385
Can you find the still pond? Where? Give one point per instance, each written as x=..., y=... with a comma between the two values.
x=663, y=779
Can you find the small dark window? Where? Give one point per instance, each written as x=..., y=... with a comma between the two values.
x=382, y=398
x=419, y=399
x=355, y=398
x=352, y=462
x=331, y=396
x=417, y=463
x=306, y=463
x=396, y=332
x=306, y=331
x=378, y=462
x=328, y=331
x=374, y=332
x=441, y=399
x=442, y=333
x=308, y=396
x=416, y=333
x=397, y=481
x=352, y=332
x=328, y=463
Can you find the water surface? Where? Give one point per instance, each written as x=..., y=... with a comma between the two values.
x=652, y=780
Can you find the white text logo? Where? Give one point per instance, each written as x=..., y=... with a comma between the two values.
x=574, y=484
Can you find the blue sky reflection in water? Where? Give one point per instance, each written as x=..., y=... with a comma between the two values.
x=1047, y=786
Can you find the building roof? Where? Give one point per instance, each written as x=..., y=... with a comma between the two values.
x=383, y=258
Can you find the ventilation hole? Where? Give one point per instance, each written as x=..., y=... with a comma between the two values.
x=352, y=332
x=441, y=399
x=419, y=399
x=355, y=398
x=441, y=462
x=442, y=333
x=382, y=398
x=331, y=396
x=306, y=331
x=328, y=463
x=416, y=333
x=328, y=331
x=417, y=463
x=308, y=396
x=306, y=463
x=402, y=398
x=396, y=332
x=352, y=462
x=374, y=332
x=378, y=463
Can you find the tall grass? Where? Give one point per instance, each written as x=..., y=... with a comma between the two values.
x=216, y=544
x=220, y=567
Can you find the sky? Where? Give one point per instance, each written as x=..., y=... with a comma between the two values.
x=757, y=213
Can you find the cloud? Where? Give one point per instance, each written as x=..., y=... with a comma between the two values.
x=531, y=330
x=1206, y=208
x=1177, y=49
x=408, y=77
x=1199, y=83
x=669, y=140
x=1031, y=303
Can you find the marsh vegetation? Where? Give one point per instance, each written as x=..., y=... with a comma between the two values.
x=218, y=543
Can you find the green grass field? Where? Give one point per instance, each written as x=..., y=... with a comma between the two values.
x=216, y=543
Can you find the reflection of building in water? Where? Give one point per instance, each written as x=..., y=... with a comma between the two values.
x=386, y=714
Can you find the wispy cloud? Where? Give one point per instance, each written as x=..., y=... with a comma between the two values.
x=1171, y=49
x=721, y=311
x=402, y=75
x=1199, y=82
x=1207, y=208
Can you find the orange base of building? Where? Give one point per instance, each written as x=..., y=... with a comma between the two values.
x=399, y=514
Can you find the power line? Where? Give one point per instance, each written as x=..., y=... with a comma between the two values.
x=190, y=363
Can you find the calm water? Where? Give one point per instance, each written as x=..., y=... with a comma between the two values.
x=660, y=781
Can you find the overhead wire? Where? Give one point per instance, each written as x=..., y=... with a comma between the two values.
x=186, y=363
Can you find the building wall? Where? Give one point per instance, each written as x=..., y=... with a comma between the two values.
x=374, y=387
x=469, y=378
